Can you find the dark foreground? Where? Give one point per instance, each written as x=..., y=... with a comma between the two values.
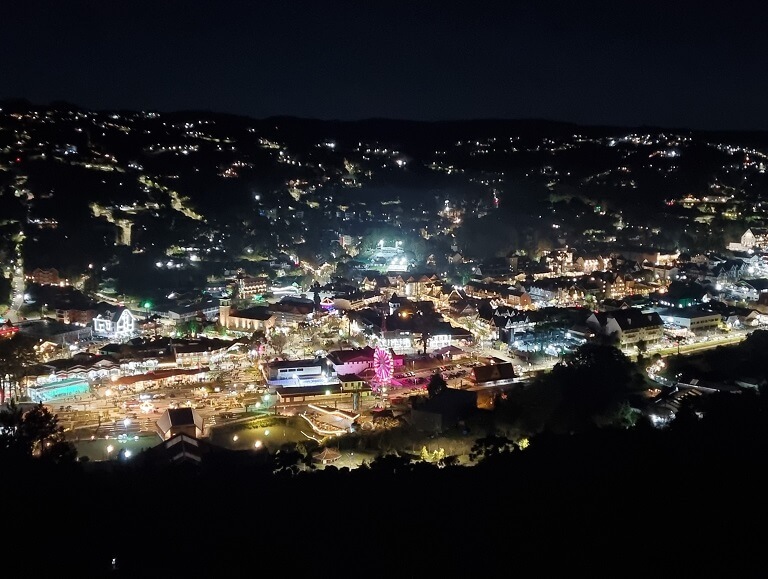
x=600, y=503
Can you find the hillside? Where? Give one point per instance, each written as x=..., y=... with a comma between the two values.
x=95, y=187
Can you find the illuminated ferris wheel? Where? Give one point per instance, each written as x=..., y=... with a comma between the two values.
x=383, y=365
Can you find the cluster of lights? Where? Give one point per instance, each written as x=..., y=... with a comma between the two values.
x=656, y=367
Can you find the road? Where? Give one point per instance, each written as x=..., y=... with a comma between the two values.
x=17, y=292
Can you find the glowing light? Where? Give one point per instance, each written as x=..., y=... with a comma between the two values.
x=383, y=365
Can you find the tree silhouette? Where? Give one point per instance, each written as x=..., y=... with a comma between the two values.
x=436, y=384
x=491, y=446
x=16, y=354
x=33, y=433
x=587, y=388
x=278, y=341
x=642, y=348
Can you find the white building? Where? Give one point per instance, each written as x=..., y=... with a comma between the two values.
x=115, y=323
x=691, y=319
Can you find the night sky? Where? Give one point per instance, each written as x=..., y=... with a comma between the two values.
x=677, y=64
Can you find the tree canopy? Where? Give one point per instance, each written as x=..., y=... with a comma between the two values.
x=35, y=432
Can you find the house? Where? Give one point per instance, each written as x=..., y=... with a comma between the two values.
x=184, y=311
x=114, y=322
x=735, y=316
x=353, y=383
x=176, y=421
x=513, y=296
x=248, y=286
x=199, y=352
x=354, y=300
x=493, y=374
x=353, y=361
x=84, y=366
x=185, y=449
x=755, y=238
x=550, y=290
x=588, y=263
x=693, y=319
x=506, y=323
x=141, y=353
x=44, y=276
x=649, y=255
x=629, y=326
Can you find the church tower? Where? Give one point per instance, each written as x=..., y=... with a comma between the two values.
x=224, y=309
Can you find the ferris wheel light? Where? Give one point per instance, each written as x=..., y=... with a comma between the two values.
x=383, y=365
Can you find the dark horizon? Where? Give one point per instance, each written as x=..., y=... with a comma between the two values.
x=529, y=121
x=592, y=64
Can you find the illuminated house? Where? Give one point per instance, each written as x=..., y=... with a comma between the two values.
x=354, y=361
x=199, y=352
x=629, y=326
x=44, y=276
x=589, y=263
x=114, y=322
x=82, y=366
x=755, y=238
x=252, y=286
x=412, y=284
x=508, y=295
x=692, y=319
